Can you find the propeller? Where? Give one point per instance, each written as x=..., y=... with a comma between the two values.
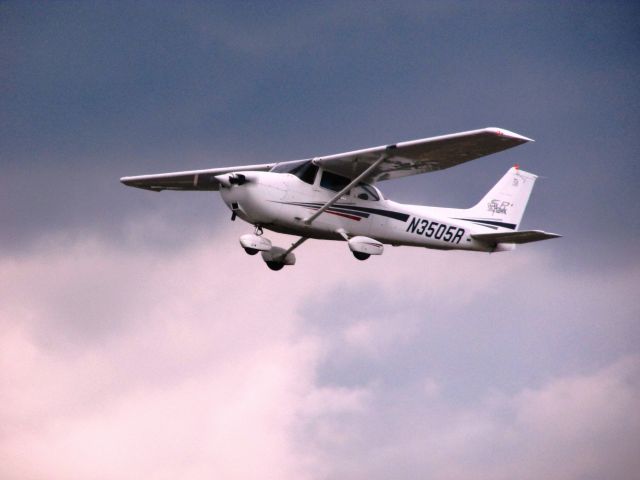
x=229, y=179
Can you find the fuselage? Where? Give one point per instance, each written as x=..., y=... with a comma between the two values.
x=282, y=201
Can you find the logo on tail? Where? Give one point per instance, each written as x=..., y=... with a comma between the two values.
x=496, y=206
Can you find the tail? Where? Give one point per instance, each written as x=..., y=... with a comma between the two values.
x=501, y=210
x=504, y=205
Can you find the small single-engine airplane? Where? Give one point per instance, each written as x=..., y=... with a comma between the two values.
x=333, y=198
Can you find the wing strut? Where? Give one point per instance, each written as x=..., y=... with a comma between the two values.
x=295, y=245
x=338, y=195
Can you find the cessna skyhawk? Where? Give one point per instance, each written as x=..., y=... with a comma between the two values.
x=334, y=198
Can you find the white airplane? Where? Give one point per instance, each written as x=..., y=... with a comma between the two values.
x=333, y=198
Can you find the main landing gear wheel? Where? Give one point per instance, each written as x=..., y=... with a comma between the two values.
x=360, y=255
x=275, y=265
x=277, y=257
x=251, y=251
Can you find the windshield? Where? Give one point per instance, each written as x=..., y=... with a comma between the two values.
x=305, y=170
x=287, y=167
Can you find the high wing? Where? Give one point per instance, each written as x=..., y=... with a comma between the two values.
x=190, y=180
x=524, y=236
x=400, y=160
x=421, y=156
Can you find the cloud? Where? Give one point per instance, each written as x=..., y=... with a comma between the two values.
x=233, y=419
x=120, y=360
x=129, y=359
x=592, y=419
x=121, y=363
x=580, y=426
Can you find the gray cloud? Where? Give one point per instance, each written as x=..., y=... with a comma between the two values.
x=475, y=321
x=96, y=92
x=570, y=427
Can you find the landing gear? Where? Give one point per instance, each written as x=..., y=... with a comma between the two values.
x=249, y=247
x=363, y=247
x=360, y=255
x=275, y=265
x=253, y=243
x=278, y=257
x=275, y=257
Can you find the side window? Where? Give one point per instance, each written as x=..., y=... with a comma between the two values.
x=365, y=192
x=333, y=182
x=306, y=172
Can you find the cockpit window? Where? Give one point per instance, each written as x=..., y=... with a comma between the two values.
x=333, y=182
x=305, y=170
x=365, y=192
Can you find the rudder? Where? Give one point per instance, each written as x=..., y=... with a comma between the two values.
x=504, y=205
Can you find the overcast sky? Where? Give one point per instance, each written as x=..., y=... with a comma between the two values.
x=137, y=339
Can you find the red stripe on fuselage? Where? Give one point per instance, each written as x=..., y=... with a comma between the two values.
x=340, y=214
x=345, y=215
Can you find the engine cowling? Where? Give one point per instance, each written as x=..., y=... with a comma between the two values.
x=365, y=246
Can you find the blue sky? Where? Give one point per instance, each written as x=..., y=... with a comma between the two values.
x=413, y=363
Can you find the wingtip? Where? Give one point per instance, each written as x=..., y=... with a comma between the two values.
x=509, y=133
x=131, y=182
x=551, y=235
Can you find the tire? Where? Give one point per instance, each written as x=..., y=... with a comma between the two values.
x=275, y=265
x=251, y=251
x=360, y=255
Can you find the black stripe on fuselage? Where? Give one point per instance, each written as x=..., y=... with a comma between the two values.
x=356, y=210
x=333, y=208
x=377, y=211
x=489, y=223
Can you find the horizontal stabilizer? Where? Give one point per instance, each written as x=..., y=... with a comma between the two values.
x=524, y=236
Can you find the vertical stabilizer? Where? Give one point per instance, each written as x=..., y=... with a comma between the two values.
x=505, y=203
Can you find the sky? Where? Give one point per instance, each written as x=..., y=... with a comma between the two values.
x=137, y=339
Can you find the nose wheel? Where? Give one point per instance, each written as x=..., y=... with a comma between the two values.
x=257, y=242
x=252, y=243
